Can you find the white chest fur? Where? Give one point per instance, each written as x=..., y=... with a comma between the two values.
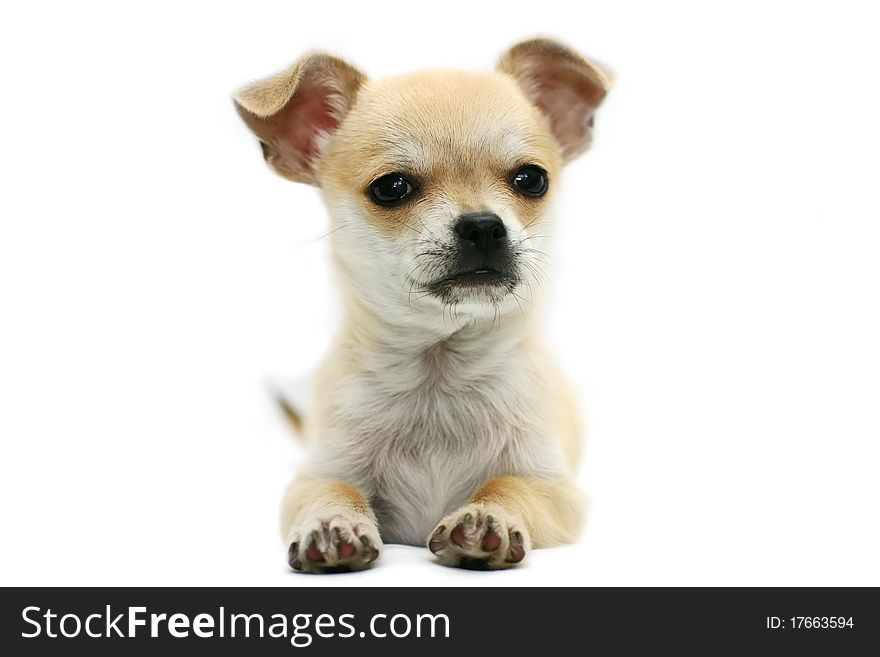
x=418, y=431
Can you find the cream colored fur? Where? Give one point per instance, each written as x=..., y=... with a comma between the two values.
x=434, y=421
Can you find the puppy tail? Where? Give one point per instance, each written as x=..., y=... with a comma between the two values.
x=290, y=398
x=291, y=414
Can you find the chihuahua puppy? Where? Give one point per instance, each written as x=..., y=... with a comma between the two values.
x=438, y=417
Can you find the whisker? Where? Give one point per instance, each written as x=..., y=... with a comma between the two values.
x=320, y=237
x=538, y=218
x=519, y=298
x=516, y=298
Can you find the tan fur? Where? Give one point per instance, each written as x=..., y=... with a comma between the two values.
x=303, y=494
x=459, y=152
x=328, y=525
x=435, y=419
x=551, y=510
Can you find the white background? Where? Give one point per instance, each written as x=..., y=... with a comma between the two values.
x=716, y=295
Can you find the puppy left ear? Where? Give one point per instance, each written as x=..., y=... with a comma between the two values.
x=295, y=112
x=566, y=87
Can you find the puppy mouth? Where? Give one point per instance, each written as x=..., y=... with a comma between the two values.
x=482, y=276
x=477, y=281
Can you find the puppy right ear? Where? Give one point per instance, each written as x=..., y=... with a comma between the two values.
x=564, y=86
x=294, y=112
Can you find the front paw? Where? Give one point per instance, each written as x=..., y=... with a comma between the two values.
x=480, y=536
x=336, y=543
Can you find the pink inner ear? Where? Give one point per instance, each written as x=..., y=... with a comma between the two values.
x=567, y=98
x=314, y=117
x=567, y=113
x=299, y=125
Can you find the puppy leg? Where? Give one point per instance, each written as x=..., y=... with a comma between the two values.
x=504, y=519
x=329, y=527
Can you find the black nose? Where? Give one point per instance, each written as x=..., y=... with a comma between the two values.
x=484, y=230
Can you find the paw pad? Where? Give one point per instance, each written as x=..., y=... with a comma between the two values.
x=334, y=545
x=480, y=538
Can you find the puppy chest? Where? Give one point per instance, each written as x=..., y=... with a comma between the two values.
x=410, y=496
x=418, y=456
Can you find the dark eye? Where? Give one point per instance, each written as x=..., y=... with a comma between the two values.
x=390, y=189
x=530, y=180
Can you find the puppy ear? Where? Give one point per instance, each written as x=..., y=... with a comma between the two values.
x=566, y=87
x=294, y=112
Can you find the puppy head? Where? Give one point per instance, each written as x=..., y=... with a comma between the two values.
x=439, y=182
